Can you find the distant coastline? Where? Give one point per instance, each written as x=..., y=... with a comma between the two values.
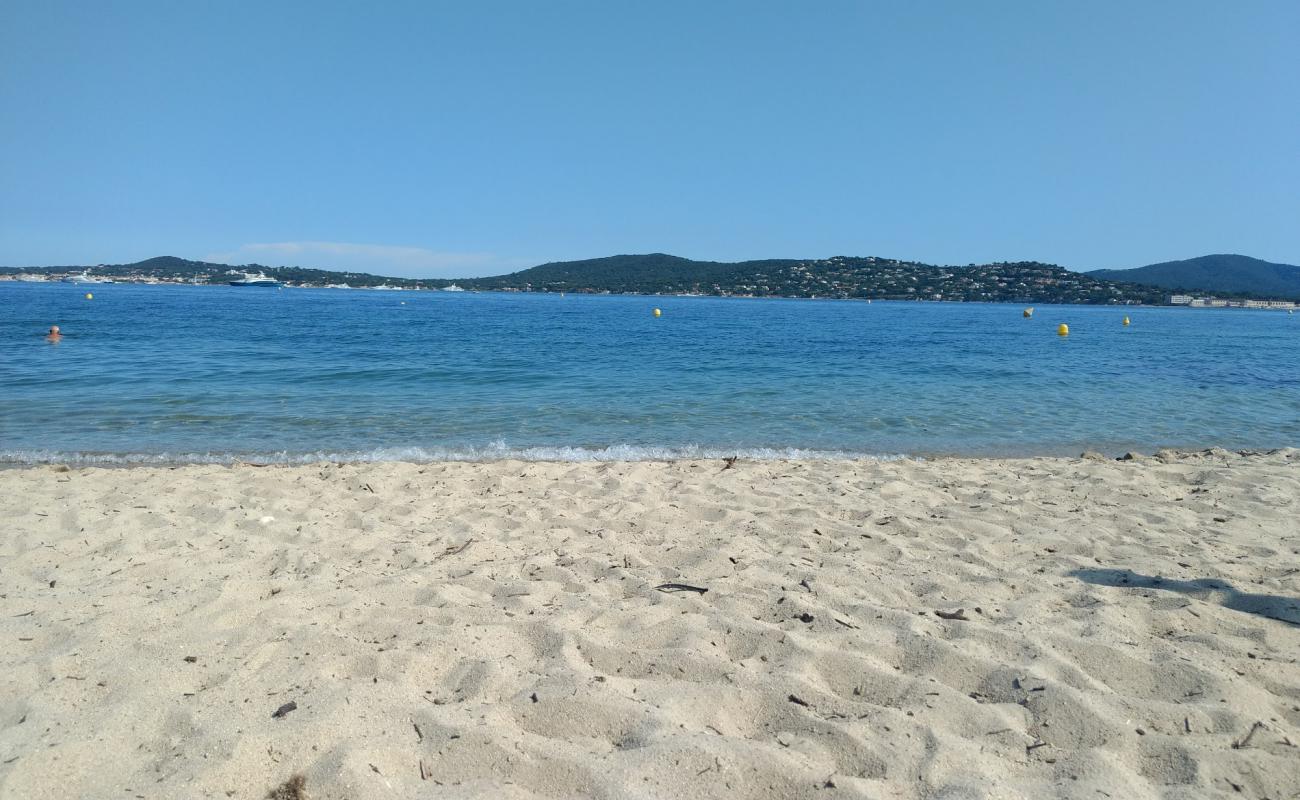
x=1170, y=301
x=840, y=278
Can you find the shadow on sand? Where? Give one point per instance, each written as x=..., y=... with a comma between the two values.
x=1283, y=609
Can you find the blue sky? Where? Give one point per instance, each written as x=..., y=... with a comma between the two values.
x=471, y=138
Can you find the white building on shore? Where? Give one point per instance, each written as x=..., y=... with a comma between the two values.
x=1193, y=301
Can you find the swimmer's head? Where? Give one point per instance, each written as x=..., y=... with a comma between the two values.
x=54, y=330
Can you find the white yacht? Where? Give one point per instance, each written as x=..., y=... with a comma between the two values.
x=452, y=288
x=260, y=279
x=85, y=277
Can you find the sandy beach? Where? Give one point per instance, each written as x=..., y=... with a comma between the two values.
x=951, y=628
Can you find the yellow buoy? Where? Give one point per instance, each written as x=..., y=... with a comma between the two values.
x=1062, y=330
x=1029, y=312
x=1126, y=320
x=658, y=313
x=89, y=296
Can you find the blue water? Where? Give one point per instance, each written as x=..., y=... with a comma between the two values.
x=177, y=373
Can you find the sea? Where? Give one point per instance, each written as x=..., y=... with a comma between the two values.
x=183, y=374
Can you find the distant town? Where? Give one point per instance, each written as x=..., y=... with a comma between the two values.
x=1221, y=302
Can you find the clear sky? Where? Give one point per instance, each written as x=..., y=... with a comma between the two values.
x=476, y=137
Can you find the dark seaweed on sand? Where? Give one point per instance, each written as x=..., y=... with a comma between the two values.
x=293, y=789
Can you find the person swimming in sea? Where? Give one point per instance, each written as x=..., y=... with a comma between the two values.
x=54, y=335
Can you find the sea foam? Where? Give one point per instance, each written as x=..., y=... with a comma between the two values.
x=497, y=451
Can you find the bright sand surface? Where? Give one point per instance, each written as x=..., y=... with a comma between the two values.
x=493, y=630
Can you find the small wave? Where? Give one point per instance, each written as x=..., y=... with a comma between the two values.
x=492, y=452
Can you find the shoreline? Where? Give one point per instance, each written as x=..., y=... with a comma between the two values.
x=584, y=455
x=909, y=629
x=1231, y=302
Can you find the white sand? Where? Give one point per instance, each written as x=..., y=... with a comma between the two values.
x=508, y=611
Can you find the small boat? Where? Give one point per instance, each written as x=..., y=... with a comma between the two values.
x=85, y=277
x=452, y=288
x=259, y=279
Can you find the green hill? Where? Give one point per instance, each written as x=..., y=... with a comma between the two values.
x=650, y=273
x=840, y=276
x=1227, y=274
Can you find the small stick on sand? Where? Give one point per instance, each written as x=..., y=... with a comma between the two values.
x=680, y=587
x=958, y=614
x=284, y=709
x=1245, y=740
x=454, y=551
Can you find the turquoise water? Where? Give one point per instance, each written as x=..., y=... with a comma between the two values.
x=177, y=373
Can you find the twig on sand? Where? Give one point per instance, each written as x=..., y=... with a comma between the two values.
x=284, y=709
x=680, y=587
x=1245, y=740
x=958, y=614
x=424, y=774
x=728, y=463
x=454, y=551
x=798, y=701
